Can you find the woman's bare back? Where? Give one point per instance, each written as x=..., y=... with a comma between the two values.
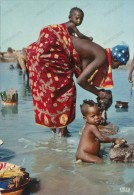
x=88, y=49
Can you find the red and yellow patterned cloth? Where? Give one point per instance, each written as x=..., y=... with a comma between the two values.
x=51, y=63
x=102, y=77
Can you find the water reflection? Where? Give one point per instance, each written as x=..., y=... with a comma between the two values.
x=11, y=67
x=9, y=110
x=6, y=154
x=25, y=89
x=121, y=109
x=20, y=72
x=33, y=187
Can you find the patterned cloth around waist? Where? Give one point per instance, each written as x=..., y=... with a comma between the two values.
x=51, y=63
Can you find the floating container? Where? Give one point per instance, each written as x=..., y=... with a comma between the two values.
x=121, y=104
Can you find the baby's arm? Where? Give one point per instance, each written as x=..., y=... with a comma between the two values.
x=79, y=34
x=102, y=138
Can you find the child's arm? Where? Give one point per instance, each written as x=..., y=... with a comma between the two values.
x=102, y=138
x=79, y=34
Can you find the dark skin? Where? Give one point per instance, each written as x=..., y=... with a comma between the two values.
x=92, y=57
x=75, y=20
x=89, y=145
x=131, y=71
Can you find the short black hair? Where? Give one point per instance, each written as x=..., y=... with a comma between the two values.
x=85, y=105
x=76, y=9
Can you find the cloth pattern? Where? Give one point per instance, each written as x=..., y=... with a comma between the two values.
x=51, y=62
x=102, y=77
x=121, y=53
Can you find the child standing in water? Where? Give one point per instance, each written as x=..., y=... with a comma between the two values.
x=91, y=138
x=75, y=19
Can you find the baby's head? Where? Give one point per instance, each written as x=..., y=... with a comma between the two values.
x=91, y=112
x=76, y=16
x=86, y=104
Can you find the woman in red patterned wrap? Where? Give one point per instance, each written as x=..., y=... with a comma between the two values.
x=51, y=63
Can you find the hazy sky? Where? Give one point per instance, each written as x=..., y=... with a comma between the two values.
x=110, y=22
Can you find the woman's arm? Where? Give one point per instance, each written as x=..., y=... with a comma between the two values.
x=88, y=69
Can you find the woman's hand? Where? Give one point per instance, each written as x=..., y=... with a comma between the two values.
x=104, y=94
x=104, y=99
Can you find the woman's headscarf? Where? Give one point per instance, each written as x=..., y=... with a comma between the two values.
x=121, y=53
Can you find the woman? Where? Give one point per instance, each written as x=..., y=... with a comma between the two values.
x=97, y=64
x=52, y=62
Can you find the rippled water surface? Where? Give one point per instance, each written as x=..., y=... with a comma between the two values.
x=51, y=159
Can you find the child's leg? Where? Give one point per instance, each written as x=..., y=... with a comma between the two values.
x=90, y=158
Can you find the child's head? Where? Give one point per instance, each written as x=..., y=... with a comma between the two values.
x=76, y=16
x=91, y=112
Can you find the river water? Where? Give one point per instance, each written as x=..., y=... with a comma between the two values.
x=50, y=159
